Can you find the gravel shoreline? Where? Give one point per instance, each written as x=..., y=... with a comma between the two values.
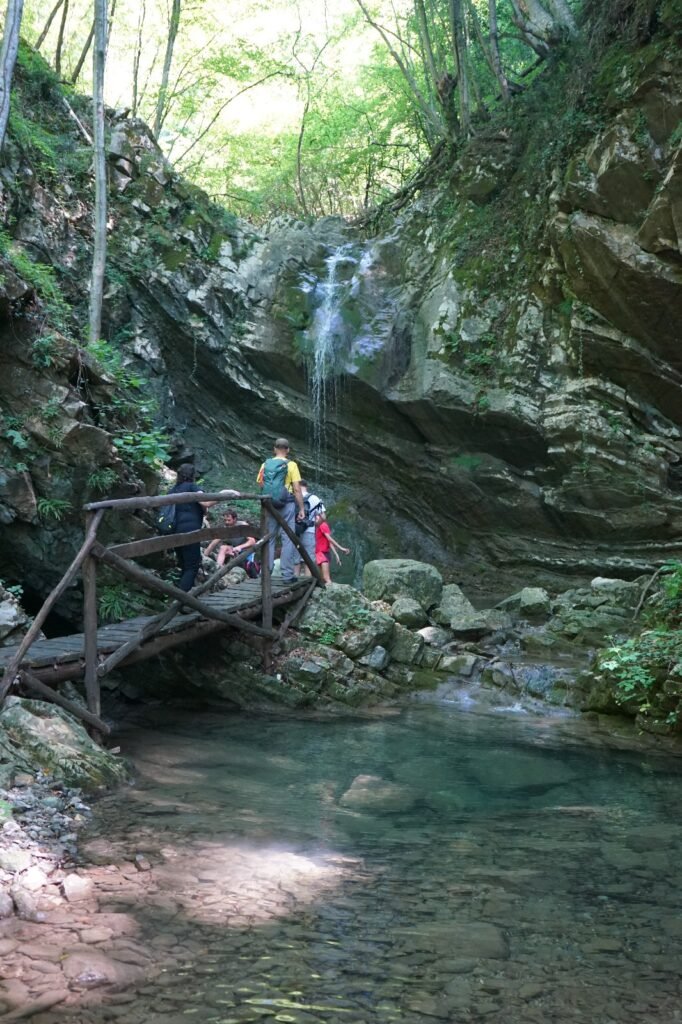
x=38, y=843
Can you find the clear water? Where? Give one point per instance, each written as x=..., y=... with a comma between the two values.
x=490, y=869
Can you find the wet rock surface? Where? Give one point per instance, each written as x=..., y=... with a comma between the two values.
x=35, y=734
x=348, y=651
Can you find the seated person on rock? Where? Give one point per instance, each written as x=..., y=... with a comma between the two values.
x=235, y=545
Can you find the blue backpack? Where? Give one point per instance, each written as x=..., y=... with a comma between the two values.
x=274, y=474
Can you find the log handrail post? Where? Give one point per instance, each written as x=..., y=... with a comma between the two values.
x=92, y=685
x=296, y=541
x=148, y=581
x=156, y=624
x=265, y=571
x=35, y=627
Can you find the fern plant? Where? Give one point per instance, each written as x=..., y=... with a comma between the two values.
x=102, y=479
x=115, y=603
x=53, y=508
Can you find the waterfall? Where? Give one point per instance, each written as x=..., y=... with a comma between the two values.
x=351, y=334
x=328, y=338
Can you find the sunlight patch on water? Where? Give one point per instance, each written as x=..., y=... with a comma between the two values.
x=248, y=884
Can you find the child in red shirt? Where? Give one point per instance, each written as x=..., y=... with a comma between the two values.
x=324, y=544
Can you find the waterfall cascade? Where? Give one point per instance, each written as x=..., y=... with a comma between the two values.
x=327, y=336
x=353, y=316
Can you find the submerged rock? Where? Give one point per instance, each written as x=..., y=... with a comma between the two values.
x=369, y=793
x=472, y=939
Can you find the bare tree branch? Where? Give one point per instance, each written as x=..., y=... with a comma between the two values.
x=173, y=26
x=200, y=136
x=52, y=15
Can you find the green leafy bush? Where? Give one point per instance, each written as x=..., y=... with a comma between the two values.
x=41, y=278
x=33, y=138
x=16, y=438
x=42, y=351
x=15, y=589
x=147, y=448
x=647, y=668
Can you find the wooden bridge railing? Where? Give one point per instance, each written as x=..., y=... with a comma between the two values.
x=119, y=558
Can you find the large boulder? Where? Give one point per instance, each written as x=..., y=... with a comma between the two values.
x=472, y=627
x=13, y=618
x=389, y=578
x=409, y=612
x=406, y=646
x=40, y=735
x=529, y=603
x=453, y=607
x=340, y=614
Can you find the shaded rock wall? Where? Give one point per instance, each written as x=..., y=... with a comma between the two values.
x=510, y=415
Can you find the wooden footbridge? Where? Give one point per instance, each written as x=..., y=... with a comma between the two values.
x=38, y=665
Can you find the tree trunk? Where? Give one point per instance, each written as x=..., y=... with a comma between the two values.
x=563, y=15
x=48, y=24
x=137, y=58
x=100, y=246
x=88, y=43
x=84, y=52
x=60, y=39
x=8, y=57
x=460, y=53
x=167, y=61
x=110, y=25
x=432, y=124
x=541, y=28
x=425, y=36
x=299, y=157
x=495, y=50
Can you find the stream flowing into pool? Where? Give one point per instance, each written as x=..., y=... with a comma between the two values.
x=419, y=865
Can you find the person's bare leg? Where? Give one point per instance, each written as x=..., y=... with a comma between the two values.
x=326, y=574
x=222, y=552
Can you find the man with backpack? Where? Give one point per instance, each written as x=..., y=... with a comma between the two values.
x=280, y=480
x=305, y=528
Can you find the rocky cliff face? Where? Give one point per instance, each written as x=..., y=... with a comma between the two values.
x=501, y=396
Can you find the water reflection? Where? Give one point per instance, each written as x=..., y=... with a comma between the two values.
x=429, y=866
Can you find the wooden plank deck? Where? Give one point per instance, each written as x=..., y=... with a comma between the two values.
x=61, y=650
